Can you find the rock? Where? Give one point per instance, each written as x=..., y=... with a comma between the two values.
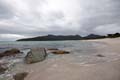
x=60, y=52
x=36, y=55
x=52, y=49
x=100, y=55
x=11, y=52
x=20, y=76
x=2, y=69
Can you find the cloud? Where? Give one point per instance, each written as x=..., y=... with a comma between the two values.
x=12, y=37
x=108, y=28
x=106, y=15
x=28, y=18
x=5, y=12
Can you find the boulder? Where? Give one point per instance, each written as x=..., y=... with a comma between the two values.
x=2, y=69
x=52, y=49
x=60, y=52
x=20, y=76
x=11, y=52
x=100, y=55
x=36, y=55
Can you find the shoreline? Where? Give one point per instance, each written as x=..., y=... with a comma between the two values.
x=62, y=70
x=97, y=59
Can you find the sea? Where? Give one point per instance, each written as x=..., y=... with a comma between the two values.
x=81, y=52
x=75, y=47
x=45, y=44
x=80, y=49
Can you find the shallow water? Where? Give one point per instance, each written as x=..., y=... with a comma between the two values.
x=76, y=48
x=46, y=44
x=81, y=51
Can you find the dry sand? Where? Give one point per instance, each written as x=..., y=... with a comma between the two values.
x=61, y=69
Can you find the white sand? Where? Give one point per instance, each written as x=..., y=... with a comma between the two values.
x=61, y=69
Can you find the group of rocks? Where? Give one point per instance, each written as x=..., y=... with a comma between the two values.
x=35, y=53
x=11, y=52
x=33, y=56
x=40, y=54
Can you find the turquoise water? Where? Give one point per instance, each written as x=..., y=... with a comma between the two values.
x=77, y=49
x=81, y=51
x=48, y=44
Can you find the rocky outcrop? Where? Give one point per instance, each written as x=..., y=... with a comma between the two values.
x=11, y=52
x=100, y=55
x=57, y=51
x=20, y=76
x=36, y=55
x=60, y=52
x=52, y=49
x=2, y=69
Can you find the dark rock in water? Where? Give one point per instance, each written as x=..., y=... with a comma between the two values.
x=11, y=52
x=60, y=52
x=36, y=55
x=20, y=76
x=52, y=49
x=100, y=55
x=2, y=69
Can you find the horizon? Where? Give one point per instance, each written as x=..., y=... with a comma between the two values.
x=59, y=35
x=28, y=18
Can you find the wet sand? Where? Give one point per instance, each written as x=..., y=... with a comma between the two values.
x=62, y=69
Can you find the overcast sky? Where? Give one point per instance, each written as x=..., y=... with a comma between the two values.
x=28, y=18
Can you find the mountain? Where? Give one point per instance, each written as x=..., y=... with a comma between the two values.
x=52, y=38
x=69, y=37
x=93, y=36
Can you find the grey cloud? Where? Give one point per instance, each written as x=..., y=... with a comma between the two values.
x=110, y=15
x=37, y=18
x=94, y=22
x=5, y=11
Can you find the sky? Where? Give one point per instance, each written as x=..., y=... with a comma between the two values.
x=29, y=18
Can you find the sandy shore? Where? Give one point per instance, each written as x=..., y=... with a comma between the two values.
x=61, y=69
x=113, y=44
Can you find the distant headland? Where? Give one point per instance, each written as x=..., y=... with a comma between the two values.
x=69, y=37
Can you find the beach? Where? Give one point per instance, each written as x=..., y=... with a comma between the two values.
x=59, y=39
x=97, y=59
x=63, y=69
